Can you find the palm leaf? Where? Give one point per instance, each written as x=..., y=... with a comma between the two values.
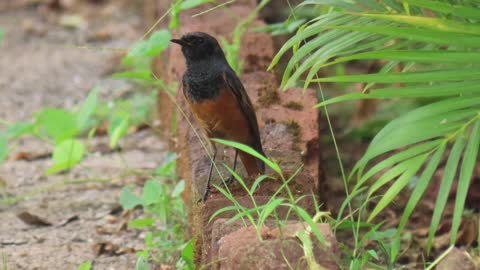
x=440, y=54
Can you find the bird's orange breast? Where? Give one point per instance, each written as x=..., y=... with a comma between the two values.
x=221, y=117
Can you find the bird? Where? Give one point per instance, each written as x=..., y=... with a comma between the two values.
x=218, y=101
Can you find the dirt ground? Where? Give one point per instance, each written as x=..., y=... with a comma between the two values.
x=42, y=65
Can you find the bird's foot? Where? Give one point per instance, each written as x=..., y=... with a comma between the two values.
x=205, y=195
x=229, y=181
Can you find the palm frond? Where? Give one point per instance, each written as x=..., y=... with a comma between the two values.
x=439, y=41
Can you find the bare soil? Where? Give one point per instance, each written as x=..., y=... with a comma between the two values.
x=47, y=62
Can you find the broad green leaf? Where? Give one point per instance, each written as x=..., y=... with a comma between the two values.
x=158, y=41
x=142, y=264
x=57, y=123
x=421, y=186
x=188, y=254
x=251, y=151
x=128, y=199
x=3, y=147
x=143, y=74
x=179, y=188
x=139, y=49
x=66, y=155
x=175, y=14
x=85, y=266
x=167, y=169
x=141, y=223
x=118, y=128
x=152, y=192
x=409, y=77
x=445, y=186
x=88, y=109
x=466, y=172
x=18, y=129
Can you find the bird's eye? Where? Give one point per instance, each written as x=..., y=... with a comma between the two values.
x=200, y=40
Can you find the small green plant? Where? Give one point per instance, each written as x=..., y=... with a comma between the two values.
x=64, y=128
x=85, y=266
x=258, y=214
x=166, y=216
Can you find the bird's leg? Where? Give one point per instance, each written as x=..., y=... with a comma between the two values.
x=207, y=189
x=231, y=178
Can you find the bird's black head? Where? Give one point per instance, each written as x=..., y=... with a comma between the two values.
x=198, y=46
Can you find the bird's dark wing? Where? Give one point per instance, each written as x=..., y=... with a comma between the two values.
x=236, y=86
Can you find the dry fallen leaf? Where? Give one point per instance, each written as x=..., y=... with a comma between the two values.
x=458, y=260
x=34, y=220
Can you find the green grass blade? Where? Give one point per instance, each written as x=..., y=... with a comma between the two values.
x=445, y=185
x=313, y=226
x=268, y=210
x=466, y=171
x=251, y=151
x=259, y=180
x=237, y=177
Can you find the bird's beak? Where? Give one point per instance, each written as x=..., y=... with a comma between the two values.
x=179, y=41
